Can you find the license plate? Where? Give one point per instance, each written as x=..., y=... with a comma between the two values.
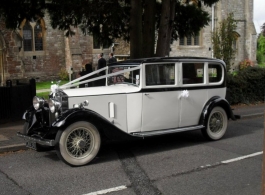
x=31, y=144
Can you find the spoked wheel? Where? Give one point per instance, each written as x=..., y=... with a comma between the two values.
x=216, y=124
x=78, y=144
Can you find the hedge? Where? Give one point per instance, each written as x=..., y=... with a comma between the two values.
x=247, y=86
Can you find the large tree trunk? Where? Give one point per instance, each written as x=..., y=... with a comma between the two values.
x=171, y=21
x=149, y=28
x=164, y=32
x=136, y=29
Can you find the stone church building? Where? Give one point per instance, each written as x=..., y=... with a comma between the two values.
x=35, y=50
x=201, y=45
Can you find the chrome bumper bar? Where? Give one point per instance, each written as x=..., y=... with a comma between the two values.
x=46, y=142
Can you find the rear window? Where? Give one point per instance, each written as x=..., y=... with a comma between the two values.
x=215, y=73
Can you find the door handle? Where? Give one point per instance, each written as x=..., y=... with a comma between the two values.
x=146, y=94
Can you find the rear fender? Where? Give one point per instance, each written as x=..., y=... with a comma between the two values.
x=209, y=106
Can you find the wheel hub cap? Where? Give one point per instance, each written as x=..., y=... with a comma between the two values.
x=216, y=122
x=81, y=143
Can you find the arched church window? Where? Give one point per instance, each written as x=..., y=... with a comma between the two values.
x=97, y=44
x=38, y=37
x=27, y=37
x=32, y=32
x=235, y=41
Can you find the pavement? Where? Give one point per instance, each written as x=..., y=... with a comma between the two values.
x=9, y=142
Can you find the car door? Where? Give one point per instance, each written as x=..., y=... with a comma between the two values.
x=194, y=93
x=160, y=97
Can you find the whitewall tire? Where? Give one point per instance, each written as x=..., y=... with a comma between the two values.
x=216, y=124
x=78, y=144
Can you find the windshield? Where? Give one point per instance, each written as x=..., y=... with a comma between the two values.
x=130, y=77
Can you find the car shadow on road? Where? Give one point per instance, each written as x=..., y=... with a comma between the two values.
x=110, y=149
x=174, y=141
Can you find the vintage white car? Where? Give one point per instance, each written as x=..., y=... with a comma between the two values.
x=140, y=98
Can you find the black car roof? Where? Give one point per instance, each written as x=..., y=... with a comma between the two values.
x=136, y=62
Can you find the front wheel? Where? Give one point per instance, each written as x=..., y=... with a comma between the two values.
x=78, y=144
x=216, y=124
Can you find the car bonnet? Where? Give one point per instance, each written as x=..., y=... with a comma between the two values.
x=103, y=90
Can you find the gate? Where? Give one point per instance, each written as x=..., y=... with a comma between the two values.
x=15, y=99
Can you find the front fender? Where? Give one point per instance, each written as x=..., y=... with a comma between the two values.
x=104, y=126
x=76, y=114
x=213, y=102
x=30, y=117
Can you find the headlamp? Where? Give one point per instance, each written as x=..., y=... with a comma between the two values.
x=54, y=105
x=38, y=102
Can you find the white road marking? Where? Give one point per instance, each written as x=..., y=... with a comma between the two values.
x=206, y=166
x=107, y=190
x=242, y=157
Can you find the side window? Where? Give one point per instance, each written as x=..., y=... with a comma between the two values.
x=132, y=77
x=190, y=40
x=215, y=73
x=192, y=73
x=160, y=74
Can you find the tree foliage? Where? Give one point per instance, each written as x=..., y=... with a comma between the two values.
x=261, y=49
x=132, y=20
x=263, y=29
x=223, y=39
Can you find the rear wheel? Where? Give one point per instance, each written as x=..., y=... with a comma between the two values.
x=78, y=144
x=216, y=124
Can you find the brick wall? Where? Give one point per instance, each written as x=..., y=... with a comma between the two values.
x=59, y=52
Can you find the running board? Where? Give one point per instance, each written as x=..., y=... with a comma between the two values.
x=166, y=131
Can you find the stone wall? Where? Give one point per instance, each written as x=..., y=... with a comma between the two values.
x=80, y=51
x=11, y=65
x=59, y=52
x=42, y=65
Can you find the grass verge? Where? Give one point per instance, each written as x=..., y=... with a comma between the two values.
x=45, y=95
x=47, y=84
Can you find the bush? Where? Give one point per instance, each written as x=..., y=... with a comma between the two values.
x=63, y=74
x=247, y=86
x=245, y=64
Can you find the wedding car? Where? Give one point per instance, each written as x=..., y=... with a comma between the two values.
x=139, y=98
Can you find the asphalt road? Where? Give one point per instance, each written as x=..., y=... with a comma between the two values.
x=183, y=163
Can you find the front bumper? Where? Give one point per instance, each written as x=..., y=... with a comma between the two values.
x=45, y=142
